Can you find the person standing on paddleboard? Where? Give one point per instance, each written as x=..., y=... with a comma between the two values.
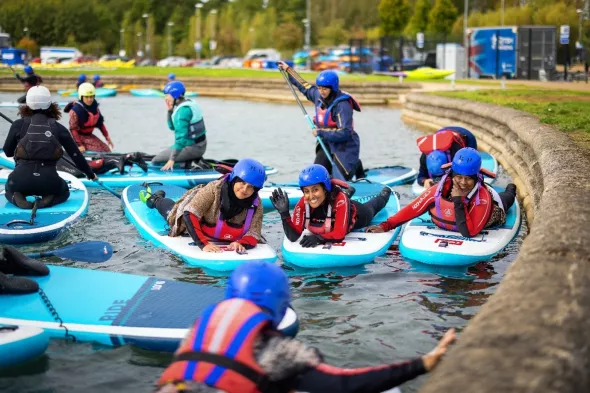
x=36, y=142
x=228, y=209
x=460, y=202
x=185, y=118
x=333, y=120
x=325, y=209
x=447, y=140
x=84, y=118
x=235, y=346
x=31, y=79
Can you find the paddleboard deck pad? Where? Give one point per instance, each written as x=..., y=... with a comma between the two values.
x=357, y=248
x=48, y=223
x=114, y=309
x=19, y=344
x=152, y=226
x=424, y=242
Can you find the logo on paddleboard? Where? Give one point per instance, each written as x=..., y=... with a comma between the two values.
x=450, y=242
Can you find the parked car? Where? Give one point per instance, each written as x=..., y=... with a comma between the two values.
x=172, y=61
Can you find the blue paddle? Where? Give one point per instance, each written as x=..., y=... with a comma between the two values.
x=91, y=251
x=335, y=170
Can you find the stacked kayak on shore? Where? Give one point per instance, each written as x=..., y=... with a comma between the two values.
x=100, y=92
x=153, y=227
x=20, y=226
x=156, y=93
x=20, y=344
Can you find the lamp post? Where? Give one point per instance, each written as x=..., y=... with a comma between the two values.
x=170, y=24
x=139, y=51
x=252, y=38
x=147, y=35
x=581, y=13
x=308, y=32
x=26, y=31
x=212, y=42
x=198, y=46
x=502, y=14
x=122, y=43
x=465, y=43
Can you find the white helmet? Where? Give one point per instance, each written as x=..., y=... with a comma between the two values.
x=38, y=97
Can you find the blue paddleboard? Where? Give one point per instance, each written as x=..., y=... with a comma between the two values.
x=19, y=344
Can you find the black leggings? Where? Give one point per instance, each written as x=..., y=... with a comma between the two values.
x=37, y=179
x=164, y=206
x=507, y=199
x=366, y=211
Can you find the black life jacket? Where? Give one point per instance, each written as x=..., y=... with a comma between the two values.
x=39, y=142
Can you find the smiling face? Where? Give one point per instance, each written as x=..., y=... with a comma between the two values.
x=314, y=195
x=324, y=91
x=243, y=190
x=464, y=183
x=88, y=100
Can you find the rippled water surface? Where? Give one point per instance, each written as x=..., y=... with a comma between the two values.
x=385, y=311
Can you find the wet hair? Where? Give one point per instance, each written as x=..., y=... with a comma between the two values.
x=53, y=111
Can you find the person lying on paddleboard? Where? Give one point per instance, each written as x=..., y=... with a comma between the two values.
x=325, y=209
x=235, y=347
x=228, y=209
x=84, y=118
x=448, y=140
x=103, y=163
x=461, y=202
x=333, y=119
x=36, y=142
x=31, y=79
x=185, y=118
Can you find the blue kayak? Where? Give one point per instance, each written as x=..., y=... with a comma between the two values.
x=19, y=344
x=100, y=92
x=15, y=223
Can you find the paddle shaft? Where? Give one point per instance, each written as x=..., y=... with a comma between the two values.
x=335, y=168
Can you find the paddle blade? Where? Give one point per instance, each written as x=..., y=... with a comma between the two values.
x=91, y=251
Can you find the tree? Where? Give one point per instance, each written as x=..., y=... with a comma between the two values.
x=333, y=34
x=289, y=34
x=30, y=45
x=442, y=16
x=419, y=21
x=394, y=15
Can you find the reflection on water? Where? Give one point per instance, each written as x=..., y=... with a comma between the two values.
x=386, y=311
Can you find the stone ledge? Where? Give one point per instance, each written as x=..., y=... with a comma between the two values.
x=532, y=335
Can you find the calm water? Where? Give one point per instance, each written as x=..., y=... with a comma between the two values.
x=385, y=311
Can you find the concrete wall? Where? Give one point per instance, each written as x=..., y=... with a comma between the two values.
x=533, y=335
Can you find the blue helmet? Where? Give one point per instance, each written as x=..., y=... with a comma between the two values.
x=467, y=162
x=434, y=161
x=315, y=174
x=82, y=78
x=171, y=76
x=28, y=69
x=329, y=79
x=249, y=170
x=96, y=77
x=175, y=89
x=264, y=284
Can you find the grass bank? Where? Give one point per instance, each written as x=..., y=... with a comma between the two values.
x=566, y=110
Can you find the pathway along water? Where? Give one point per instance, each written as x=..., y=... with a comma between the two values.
x=381, y=312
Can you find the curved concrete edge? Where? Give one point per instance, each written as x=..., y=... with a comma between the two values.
x=532, y=335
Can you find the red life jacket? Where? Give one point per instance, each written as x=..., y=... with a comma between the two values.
x=323, y=117
x=328, y=224
x=219, y=349
x=440, y=141
x=88, y=127
x=479, y=202
x=230, y=232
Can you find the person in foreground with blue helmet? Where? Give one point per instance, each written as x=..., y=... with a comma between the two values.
x=185, y=118
x=31, y=79
x=235, y=347
x=325, y=209
x=333, y=119
x=228, y=209
x=448, y=140
x=460, y=202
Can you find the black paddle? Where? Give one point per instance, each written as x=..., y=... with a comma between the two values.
x=90, y=251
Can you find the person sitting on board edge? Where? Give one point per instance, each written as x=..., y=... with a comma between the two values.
x=460, y=202
x=36, y=142
x=325, y=209
x=434, y=165
x=448, y=140
x=81, y=79
x=333, y=119
x=227, y=209
x=30, y=80
x=15, y=263
x=185, y=118
x=235, y=346
x=96, y=81
x=84, y=118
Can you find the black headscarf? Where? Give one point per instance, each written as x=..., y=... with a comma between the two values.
x=231, y=205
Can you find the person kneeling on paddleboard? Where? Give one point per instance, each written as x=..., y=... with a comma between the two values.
x=31, y=79
x=448, y=140
x=228, y=209
x=36, y=142
x=235, y=346
x=333, y=119
x=185, y=118
x=325, y=209
x=84, y=118
x=461, y=202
